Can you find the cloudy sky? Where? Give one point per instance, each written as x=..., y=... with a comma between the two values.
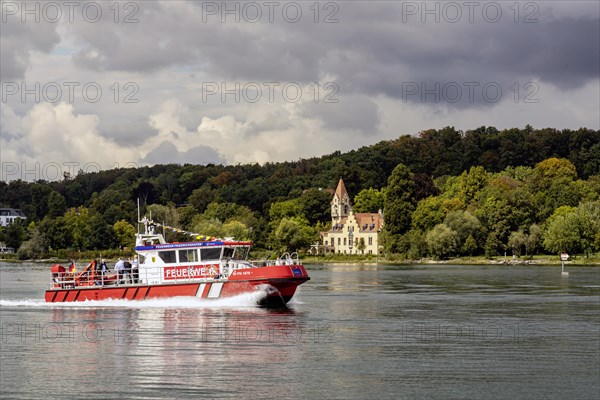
x=102, y=84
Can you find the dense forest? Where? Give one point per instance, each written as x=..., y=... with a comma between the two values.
x=444, y=193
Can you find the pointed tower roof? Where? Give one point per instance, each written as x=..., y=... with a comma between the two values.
x=341, y=190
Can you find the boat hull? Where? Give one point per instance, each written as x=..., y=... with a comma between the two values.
x=281, y=284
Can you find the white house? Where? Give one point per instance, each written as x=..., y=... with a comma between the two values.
x=351, y=233
x=9, y=215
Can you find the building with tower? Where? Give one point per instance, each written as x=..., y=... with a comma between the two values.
x=350, y=233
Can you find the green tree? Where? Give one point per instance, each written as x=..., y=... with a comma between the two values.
x=399, y=205
x=316, y=205
x=230, y=211
x=417, y=245
x=493, y=246
x=207, y=226
x=469, y=247
x=78, y=222
x=442, y=241
x=286, y=209
x=167, y=215
x=495, y=216
x=561, y=234
x=15, y=233
x=369, y=201
x=237, y=230
x=102, y=235
x=533, y=239
x=38, y=206
x=57, y=205
x=471, y=183
x=429, y=213
x=465, y=225
x=517, y=242
x=293, y=234
x=186, y=216
x=587, y=220
x=124, y=234
x=556, y=168
x=201, y=198
x=55, y=232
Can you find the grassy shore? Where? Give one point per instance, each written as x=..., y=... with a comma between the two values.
x=592, y=260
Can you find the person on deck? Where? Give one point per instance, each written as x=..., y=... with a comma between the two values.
x=135, y=271
x=128, y=276
x=103, y=269
x=120, y=270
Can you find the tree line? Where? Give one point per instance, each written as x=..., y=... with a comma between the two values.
x=444, y=193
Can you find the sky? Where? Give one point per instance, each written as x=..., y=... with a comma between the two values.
x=90, y=85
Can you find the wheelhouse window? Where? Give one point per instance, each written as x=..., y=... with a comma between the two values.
x=241, y=253
x=210, y=253
x=188, y=255
x=228, y=252
x=168, y=257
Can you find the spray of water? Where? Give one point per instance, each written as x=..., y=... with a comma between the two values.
x=251, y=299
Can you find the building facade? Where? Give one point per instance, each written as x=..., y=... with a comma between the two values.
x=351, y=233
x=9, y=215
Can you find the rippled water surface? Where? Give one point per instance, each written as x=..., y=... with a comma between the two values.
x=366, y=332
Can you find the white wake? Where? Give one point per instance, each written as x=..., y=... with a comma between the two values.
x=243, y=300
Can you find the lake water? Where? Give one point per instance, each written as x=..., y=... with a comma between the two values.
x=352, y=332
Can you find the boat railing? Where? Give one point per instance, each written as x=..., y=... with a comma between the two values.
x=150, y=275
x=284, y=259
x=64, y=279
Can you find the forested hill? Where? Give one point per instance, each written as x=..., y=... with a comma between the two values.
x=433, y=152
x=267, y=202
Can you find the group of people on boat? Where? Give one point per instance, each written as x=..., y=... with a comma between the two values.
x=127, y=270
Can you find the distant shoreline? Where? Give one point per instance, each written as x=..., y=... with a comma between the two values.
x=542, y=260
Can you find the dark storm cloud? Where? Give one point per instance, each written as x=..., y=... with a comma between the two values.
x=167, y=153
x=354, y=113
x=17, y=40
x=174, y=36
x=128, y=130
x=373, y=49
x=277, y=120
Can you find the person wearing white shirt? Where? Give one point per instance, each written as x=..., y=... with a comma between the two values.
x=120, y=269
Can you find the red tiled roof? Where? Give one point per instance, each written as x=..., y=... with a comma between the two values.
x=369, y=219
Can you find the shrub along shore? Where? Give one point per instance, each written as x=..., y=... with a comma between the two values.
x=551, y=260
